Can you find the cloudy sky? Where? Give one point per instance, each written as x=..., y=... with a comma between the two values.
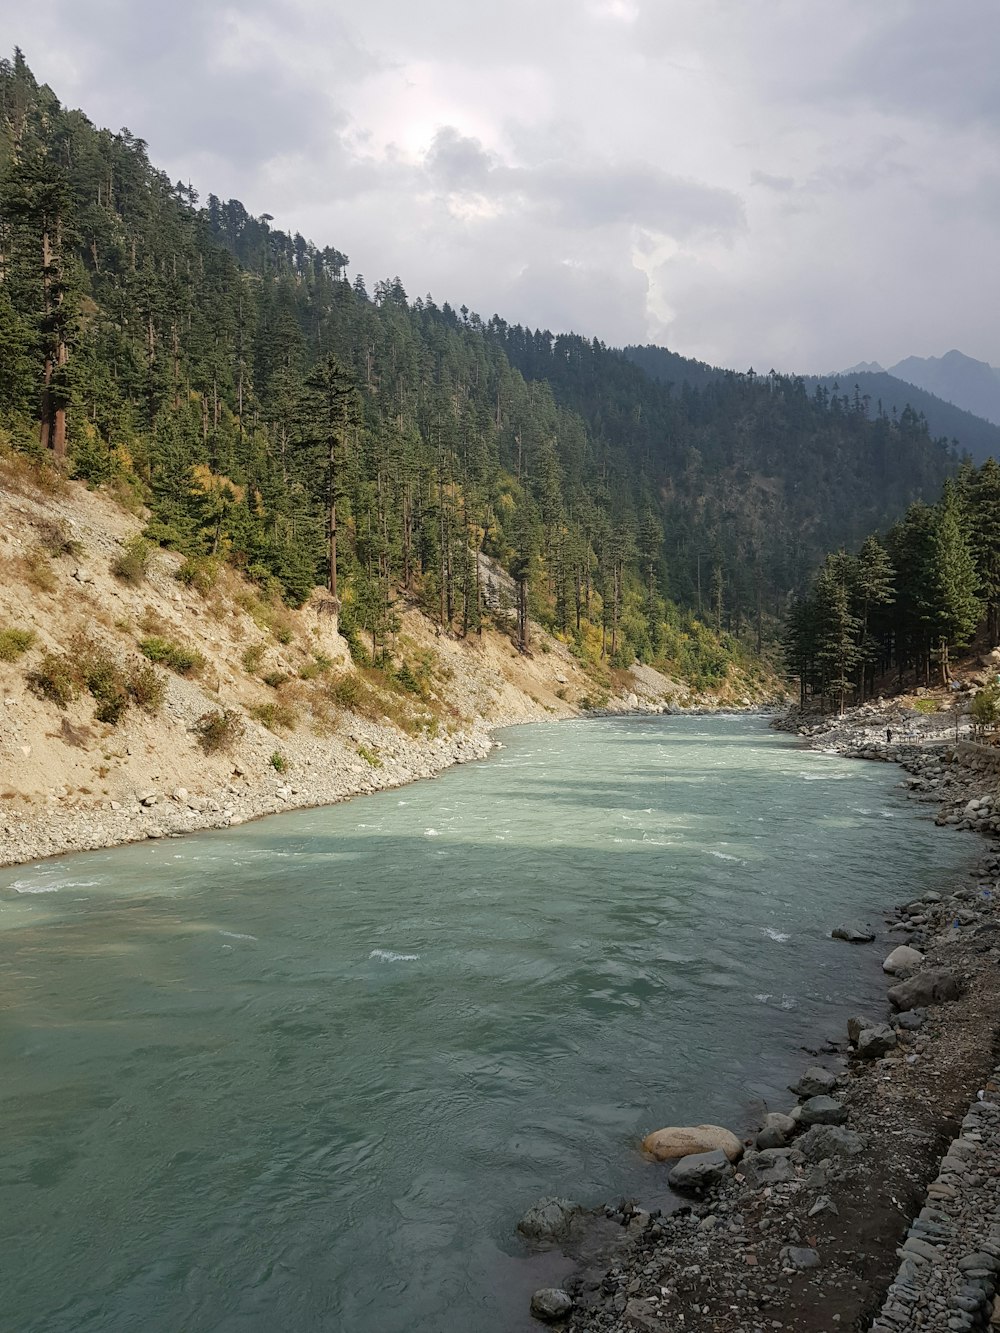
x=800, y=184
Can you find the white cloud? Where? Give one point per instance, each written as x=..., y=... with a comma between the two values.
x=754, y=181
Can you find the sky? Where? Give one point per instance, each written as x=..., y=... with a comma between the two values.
x=789, y=184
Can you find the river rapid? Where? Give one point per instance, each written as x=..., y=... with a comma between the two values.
x=305, y=1074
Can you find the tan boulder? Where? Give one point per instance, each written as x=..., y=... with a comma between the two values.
x=681, y=1141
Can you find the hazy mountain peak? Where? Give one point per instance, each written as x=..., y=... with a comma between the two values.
x=863, y=368
x=959, y=379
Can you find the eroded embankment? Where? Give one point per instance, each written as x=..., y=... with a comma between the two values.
x=806, y=1235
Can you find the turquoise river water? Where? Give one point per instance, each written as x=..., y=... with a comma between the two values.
x=306, y=1074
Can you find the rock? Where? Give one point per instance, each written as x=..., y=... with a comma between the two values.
x=902, y=959
x=180, y=794
x=823, y=1204
x=685, y=1141
x=853, y=934
x=912, y=1020
x=814, y=1082
x=825, y=1110
x=699, y=1172
x=855, y=1027
x=550, y=1304
x=772, y=1166
x=643, y=1316
x=875, y=1042
x=800, y=1256
x=830, y=1141
x=933, y=987
x=549, y=1219
x=776, y=1131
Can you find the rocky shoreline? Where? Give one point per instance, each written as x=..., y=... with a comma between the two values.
x=876, y=1202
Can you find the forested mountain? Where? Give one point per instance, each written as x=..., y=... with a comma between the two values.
x=884, y=391
x=903, y=604
x=879, y=391
x=276, y=412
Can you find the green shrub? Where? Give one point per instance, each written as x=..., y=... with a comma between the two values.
x=199, y=573
x=185, y=661
x=131, y=564
x=218, y=730
x=103, y=676
x=278, y=762
x=14, y=642
x=346, y=690
x=55, y=678
x=252, y=658
x=273, y=715
x=369, y=756
x=147, y=687
x=274, y=678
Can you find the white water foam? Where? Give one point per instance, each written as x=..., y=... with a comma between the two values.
x=779, y=936
x=235, y=935
x=387, y=956
x=431, y=833
x=724, y=856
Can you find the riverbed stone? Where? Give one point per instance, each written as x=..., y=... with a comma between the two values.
x=549, y=1219
x=551, y=1304
x=911, y=1020
x=875, y=1042
x=857, y=1025
x=678, y=1141
x=815, y=1082
x=821, y=1141
x=853, y=934
x=823, y=1111
x=902, y=959
x=932, y=987
x=699, y=1172
x=800, y=1257
x=776, y=1131
x=771, y=1166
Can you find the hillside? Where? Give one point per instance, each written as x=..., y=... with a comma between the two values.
x=884, y=391
x=136, y=704
x=950, y=419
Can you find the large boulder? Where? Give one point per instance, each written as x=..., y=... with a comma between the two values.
x=853, y=934
x=875, y=1042
x=903, y=959
x=699, y=1172
x=549, y=1220
x=685, y=1140
x=815, y=1082
x=551, y=1304
x=822, y=1111
x=822, y=1141
x=933, y=987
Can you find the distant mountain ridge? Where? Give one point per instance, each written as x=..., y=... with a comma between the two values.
x=957, y=378
x=976, y=435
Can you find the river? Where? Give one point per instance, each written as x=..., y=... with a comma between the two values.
x=305, y=1074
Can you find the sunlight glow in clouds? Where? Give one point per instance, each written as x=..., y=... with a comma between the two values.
x=749, y=181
